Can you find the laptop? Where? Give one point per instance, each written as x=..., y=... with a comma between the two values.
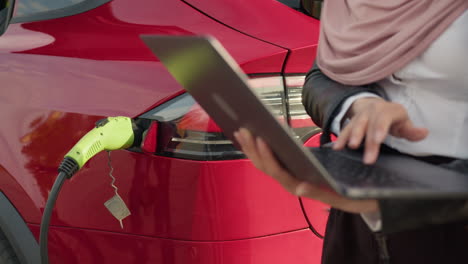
x=212, y=77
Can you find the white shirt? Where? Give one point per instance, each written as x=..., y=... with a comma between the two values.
x=433, y=88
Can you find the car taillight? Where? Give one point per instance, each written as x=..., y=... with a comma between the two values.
x=271, y=91
x=299, y=120
x=182, y=129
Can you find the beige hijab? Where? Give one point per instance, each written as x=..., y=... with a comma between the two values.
x=364, y=41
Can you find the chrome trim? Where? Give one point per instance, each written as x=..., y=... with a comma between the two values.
x=203, y=142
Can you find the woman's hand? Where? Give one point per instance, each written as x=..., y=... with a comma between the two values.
x=373, y=118
x=262, y=157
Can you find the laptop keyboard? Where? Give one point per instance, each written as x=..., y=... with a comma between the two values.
x=346, y=167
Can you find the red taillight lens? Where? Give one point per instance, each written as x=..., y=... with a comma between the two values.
x=150, y=136
x=184, y=130
x=198, y=120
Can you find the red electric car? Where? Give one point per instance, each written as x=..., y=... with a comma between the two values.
x=193, y=197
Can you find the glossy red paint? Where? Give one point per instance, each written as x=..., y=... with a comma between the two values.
x=149, y=143
x=15, y=192
x=198, y=120
x=111, y=32
x=180, y=199
x=313, y=141
x=272, y=22
x=302, y=122
x=267, y=20
x=316, y=212
x=86, y=246
x=170, y=198
x=301, y=59
x=111, y=57
x=62, y=75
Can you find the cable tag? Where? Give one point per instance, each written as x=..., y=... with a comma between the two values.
x=117, y=208
x=116, y=204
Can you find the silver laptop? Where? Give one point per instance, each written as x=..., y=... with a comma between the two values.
x=208, y=73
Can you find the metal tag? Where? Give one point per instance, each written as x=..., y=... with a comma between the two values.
x=117, y=208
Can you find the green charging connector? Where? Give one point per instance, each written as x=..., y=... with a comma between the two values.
x=111, y=133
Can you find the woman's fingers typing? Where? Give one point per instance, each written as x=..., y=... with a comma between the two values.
x=371, y=120
x=352, y=134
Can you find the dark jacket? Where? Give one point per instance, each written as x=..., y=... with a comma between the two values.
x=322, y=98
x=435, y=231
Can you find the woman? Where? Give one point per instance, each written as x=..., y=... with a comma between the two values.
x=392, y=72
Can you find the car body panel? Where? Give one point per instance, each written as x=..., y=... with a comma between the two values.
x=64, y=74
x=102, y=46
x=270, y=21
x=317, y=214
x=111, y=32
x=169, y=198
x=76, y=83
x=14, y=191
x=86, y=246
x=179, y=199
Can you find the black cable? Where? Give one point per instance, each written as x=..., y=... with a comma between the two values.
x=67, y=169
x=312, y=228
x=47, y=214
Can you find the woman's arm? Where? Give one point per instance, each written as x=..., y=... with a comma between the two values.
x=322, y=98
x=370, y=119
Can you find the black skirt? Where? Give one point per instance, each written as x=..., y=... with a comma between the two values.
x=348, y=240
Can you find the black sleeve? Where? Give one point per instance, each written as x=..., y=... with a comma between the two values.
x=322, y=98
x=400, y=215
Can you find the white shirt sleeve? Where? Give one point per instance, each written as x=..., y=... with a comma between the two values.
x=373, y=220
x=336, y=124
